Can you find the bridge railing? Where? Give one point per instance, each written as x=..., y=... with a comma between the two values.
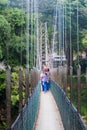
x=70, y=117
x=28, y=97
x=26, y=119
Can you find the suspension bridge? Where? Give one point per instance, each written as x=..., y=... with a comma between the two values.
x=52, y=109
x=46, y=110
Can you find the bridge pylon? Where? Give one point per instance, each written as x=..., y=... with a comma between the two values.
x=43, y=48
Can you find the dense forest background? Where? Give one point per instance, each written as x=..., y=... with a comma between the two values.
x=13, y=40
x=13, y=27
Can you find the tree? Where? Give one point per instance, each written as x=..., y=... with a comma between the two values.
x=16, y=19
x=5, y=35
x=3, y=4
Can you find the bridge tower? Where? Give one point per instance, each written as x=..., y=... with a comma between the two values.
x=44, y=50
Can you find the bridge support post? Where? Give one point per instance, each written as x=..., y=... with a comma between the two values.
x=86, y=76
x=71, y=84
x=8, y=96
x=60, y=76
x=21, y=95
x=20, y=89
x=27, y=84
x=34, y=77
x=65, y=80
x=79, y=88
x=32, y=80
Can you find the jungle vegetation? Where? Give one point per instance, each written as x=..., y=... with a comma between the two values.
x=13, y=41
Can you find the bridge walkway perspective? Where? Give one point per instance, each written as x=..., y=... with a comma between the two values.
x=48, y=114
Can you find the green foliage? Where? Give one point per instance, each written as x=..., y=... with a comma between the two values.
x=84, y=38
x=18, y=3
x=83, y=64
x=83, y=101
x=4, y=4
x=14, y=94
x=83, y=92
x=14, y=40
x=2, y=98
x=4, y=29
x=16, y=18
x=2, y=85
x=3, y=125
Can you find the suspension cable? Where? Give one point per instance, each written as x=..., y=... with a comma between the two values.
x=21, y=33
x=59, y=27
x=31, y=30
x=54, y=29
x=46, y=44
x=37, y=36
x=70, y=35
x=27, y=32
x=65, y=28
x=34, y=31
x=40, y=47
x=78, y=30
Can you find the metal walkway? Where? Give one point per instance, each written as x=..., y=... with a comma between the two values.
x=48, y=116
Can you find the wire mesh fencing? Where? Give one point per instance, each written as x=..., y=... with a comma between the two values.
x=69, y=114
x=26, y=119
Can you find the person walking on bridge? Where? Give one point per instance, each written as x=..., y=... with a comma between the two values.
x=44, y=77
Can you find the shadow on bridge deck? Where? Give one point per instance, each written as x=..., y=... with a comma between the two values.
x=48, y=116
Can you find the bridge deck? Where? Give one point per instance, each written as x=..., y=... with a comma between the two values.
x=48, y=116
